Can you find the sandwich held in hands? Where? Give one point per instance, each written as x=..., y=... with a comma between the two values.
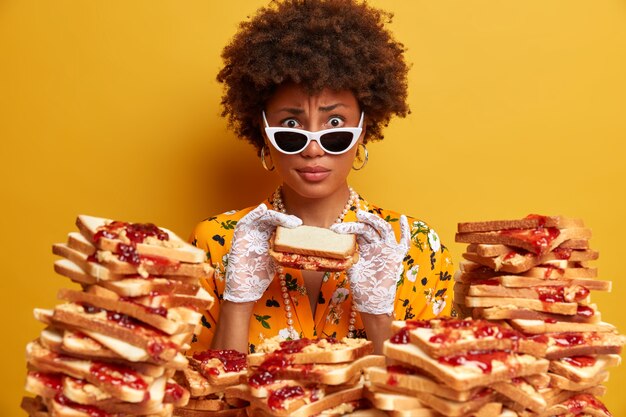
x=313, y=248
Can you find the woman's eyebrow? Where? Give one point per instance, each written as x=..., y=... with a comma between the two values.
x=331, y=107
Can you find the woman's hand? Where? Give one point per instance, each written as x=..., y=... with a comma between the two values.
x=250, y=268
x=374, y=277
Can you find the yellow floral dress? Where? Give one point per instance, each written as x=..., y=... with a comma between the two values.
x=424, y=290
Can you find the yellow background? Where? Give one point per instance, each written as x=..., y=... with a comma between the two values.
x=111, y=108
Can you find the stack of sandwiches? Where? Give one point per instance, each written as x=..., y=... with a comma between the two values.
x=458, y=368
x=112, y=347
x=533, y=274
x=305, y=377
x=207, y=377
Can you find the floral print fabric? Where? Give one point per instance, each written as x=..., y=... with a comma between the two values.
x=423, y=291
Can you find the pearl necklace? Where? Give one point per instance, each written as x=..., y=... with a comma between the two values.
x=278, y=204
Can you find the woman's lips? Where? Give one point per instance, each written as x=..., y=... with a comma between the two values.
x=313, y=174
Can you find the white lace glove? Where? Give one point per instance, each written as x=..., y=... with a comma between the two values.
x=250, y=268
x=374, y=277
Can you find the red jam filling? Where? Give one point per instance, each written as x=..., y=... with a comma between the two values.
x=135, y=232
x=480, y=359
x=582, y=361
x=585, y=311
x=173, y=392
x=294, y=346
x=161, y=311
x=401, y=337
x=578, y=403
x=117, y=375
x=50, y=380
x=562, y=253
x=480, y=329
x=568, y=339
x=276, y=399
x=539, y=238
x=90, y=410
x=266, y=373
x=509, y=255
x=232, y=360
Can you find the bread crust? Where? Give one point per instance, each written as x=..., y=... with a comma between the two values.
x=560, y=222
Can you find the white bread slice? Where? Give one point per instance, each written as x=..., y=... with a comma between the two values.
x=412, y=383
x=166, y=320
x=555, y=396
x=147, y=266
x=328, y=374
x=316, y=241
x=537, y=305
x=518, y=281
x=553, y=272
x=190, y=412
x=132, y=390
x=514, y=262
x=313, y=350
x=197, y=384
x=522, y=393
x=549, y=293
x=469, y=374
x=173, y=248
x=513, y=312
x=542, y=326
x=560, y=382
x=526, y=239
x=488, y=250
x=573, y=344
x=391, y=401
x=311, y=408
x=446, y=407
x=529, y=222
x=584, y=404
x=447, y=337
x=583, y=374
x=159, y=346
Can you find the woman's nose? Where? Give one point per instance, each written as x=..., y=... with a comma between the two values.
x=313, y=149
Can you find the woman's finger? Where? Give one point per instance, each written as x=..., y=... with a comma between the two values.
x=276, y=218
x=363, y=231
x=383, y=228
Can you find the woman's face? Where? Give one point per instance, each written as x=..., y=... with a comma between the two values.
x=313, y=173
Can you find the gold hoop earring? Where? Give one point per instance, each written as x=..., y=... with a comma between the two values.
x=263, y=161
x=365, y=158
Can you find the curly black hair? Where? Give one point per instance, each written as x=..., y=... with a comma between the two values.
x=335, y=44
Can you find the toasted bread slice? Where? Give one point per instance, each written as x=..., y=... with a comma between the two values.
x=470, y=372
x=190, y=412
x=487, y=250
x=384, y=400
x=538, y=241
x=106, y=234
x=592, y=366
x=313, y=350
x=530, y=222
x=220, y=367
x=547, y=294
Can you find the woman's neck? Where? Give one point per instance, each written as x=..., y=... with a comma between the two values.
x=320, y=212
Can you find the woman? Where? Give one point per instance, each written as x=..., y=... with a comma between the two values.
x=309, y=84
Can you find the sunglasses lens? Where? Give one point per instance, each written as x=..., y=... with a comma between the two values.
x=336, y=141
x=290, y=141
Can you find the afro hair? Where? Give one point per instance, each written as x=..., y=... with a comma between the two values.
x=334, y=44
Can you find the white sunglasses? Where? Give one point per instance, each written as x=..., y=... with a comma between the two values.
x=334, y=141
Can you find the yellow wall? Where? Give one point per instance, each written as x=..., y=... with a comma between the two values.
x=111, y=108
